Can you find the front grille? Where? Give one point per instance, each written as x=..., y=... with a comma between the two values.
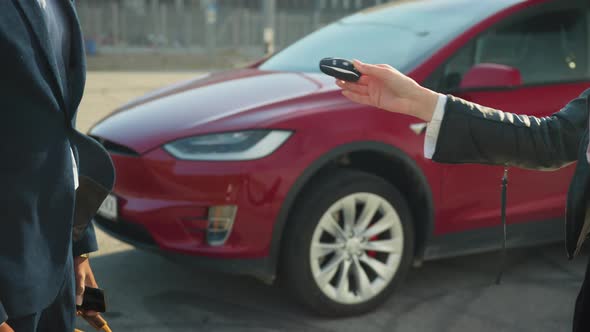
x=135, y=233
x=113, y=147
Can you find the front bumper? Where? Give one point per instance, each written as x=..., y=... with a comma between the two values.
x=139, y=237
x=164, y=203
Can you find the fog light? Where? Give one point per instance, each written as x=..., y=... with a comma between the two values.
x=221, y=221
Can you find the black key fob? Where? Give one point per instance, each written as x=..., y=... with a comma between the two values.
x=93, y=300
x=341, y=69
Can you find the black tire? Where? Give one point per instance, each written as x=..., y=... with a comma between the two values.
x=315, y=201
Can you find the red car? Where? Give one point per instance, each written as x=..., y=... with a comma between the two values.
x=268, y=171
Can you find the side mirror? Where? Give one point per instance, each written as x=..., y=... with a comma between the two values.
x=491, y=75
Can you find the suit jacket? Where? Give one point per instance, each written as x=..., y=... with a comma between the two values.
x=44, y=219
x=471, y=133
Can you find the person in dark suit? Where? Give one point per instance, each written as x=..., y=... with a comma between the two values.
x=53, y=177
x=464, y=132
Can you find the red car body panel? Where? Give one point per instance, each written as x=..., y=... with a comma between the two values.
x=170, y=197
x=534, y=195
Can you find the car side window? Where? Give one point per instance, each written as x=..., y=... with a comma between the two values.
x=454, y=70
x=546, y=48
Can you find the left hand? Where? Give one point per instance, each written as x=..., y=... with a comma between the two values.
x=84, y=277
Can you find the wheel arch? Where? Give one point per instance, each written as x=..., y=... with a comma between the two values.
x=376, y=158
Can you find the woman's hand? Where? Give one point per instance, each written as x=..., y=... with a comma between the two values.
x=384, y=87
x=5, y=328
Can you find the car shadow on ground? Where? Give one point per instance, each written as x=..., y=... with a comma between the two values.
x=148, y=293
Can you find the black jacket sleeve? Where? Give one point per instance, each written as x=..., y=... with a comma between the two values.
x=87, y=242
x=471, y=133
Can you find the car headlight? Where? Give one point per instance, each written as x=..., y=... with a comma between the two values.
x=240, y=145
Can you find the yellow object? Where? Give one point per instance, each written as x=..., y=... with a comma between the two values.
x=95, y=321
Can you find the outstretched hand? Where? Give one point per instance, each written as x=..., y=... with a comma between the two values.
x=384, y=87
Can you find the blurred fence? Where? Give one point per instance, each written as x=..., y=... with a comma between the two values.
x=209, y=26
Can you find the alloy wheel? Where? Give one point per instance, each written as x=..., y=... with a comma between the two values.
x=356, y=248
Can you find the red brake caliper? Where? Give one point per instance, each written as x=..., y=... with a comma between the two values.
x=372, y=253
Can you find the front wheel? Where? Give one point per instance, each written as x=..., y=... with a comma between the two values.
x=350, y=242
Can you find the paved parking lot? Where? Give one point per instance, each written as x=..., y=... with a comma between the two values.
x=147, y=293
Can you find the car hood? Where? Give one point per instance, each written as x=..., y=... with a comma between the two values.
x=224, y=101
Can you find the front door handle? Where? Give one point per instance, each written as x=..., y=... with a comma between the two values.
x=419, y=128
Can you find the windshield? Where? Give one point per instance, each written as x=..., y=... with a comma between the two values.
x=349, y=41
x=401, y=34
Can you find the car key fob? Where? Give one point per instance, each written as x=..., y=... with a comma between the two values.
x=341, y=69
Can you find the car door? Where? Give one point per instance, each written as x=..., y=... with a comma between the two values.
x=549, y=45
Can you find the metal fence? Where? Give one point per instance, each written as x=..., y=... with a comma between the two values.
x=205, y=25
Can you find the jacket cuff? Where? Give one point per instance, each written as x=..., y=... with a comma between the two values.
x=444, y=151
x=431, y=136
x=3, y=314
x=87, y=243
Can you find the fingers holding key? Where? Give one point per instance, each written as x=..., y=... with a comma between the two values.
x=353, y=87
